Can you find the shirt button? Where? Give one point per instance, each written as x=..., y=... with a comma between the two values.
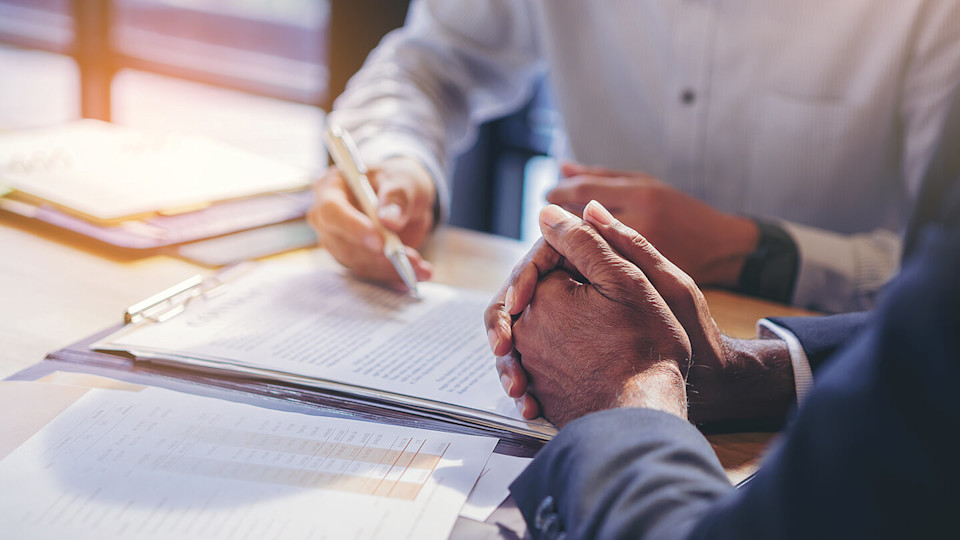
x=688, y=96
x=547, y=508
x=551, y=528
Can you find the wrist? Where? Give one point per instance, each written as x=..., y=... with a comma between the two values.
x=661, y=387
x=755, y=382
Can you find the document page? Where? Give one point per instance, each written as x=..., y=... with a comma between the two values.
x=295, y=318
x=160, y=464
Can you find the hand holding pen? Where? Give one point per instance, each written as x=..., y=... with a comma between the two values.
x=361, y=229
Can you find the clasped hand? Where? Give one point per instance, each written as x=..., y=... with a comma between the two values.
x=591, y=325
x=594, y=317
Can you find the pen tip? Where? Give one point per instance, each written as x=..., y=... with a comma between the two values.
x=405, y=271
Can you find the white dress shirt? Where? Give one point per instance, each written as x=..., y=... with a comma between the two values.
x=802, y=372
x=818, y=113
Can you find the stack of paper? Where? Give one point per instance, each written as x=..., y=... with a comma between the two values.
x=152, y=463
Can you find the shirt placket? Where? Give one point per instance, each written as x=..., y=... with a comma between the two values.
x=688, y=94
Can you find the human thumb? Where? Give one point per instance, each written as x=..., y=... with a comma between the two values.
x=585, y=249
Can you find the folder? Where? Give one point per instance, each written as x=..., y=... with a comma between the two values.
x=143, y=190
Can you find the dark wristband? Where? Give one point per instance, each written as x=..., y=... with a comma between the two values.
x=770, y=272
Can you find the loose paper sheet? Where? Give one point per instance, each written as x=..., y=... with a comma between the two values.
x=160, y=464
x=493, y=487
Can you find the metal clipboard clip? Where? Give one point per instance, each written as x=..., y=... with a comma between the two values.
x=174, y=300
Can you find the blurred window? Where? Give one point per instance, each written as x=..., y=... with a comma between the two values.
x=37, y=24
x=273, y=48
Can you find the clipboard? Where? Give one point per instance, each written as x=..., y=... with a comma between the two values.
x=438, y=397
x=279, y=395
x=251, y=387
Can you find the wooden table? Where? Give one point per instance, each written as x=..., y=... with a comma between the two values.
x=56, y=288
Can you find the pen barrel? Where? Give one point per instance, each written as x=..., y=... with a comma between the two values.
x=363, y=192
x=392, y=243
x=347, y=157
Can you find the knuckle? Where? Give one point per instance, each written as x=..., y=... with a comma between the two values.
x=494, y=314
x=684, y=293
x=504, y=363
x=639, y=241
x=687, y=283
x=634, y=288
x=580, y=240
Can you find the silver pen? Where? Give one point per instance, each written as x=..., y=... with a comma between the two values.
x=347, y=157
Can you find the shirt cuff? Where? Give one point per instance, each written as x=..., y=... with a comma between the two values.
x=802, y=374
x=838, y=272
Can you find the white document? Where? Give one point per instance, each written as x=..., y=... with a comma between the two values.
x=109, y=172
x=298, y=320
x=160, y=464
x=493, y=486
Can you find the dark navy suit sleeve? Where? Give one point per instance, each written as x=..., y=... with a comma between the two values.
x=821, y=337
x=614, y=473
x=873, y=453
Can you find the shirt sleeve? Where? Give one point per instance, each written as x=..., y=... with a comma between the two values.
x=842, y=272
x=422, y=91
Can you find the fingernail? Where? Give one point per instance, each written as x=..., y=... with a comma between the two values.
x=390, y=212
x=372, y=242
x=511, y=299
x=494, y=340
x=507, y=382
x=552, y=215
x=519, y=402
x=599, y=214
